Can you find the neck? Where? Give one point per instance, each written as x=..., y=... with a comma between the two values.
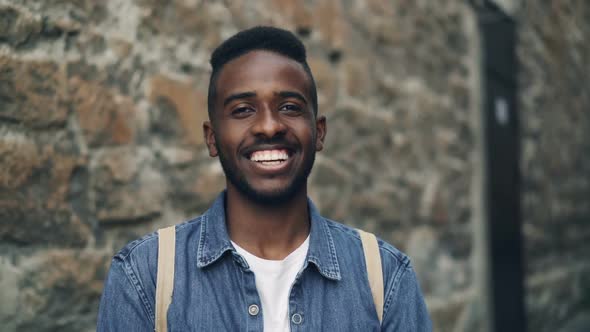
x=267, y=231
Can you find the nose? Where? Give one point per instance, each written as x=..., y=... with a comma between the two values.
x=268, y=124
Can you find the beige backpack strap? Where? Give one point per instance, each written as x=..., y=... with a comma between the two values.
x=165, y=277
x=374, y=270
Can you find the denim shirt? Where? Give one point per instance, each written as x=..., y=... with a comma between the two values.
x=214, y=287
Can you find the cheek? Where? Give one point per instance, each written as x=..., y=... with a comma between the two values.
x=306, y=133
x=229, y=139
x=301, y=126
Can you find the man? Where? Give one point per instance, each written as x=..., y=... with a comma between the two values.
x=262, y=258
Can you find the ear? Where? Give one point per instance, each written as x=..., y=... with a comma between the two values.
x=209, y=134
x=321, y=130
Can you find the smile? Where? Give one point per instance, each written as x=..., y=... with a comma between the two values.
x=271, y=160
x=270, y=157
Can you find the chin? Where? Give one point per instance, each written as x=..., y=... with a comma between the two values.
x=264, y=192
x=270, y=196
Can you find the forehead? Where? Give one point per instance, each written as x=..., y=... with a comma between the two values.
x=260, y=70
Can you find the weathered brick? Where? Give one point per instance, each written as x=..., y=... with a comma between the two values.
x=183, y=18
x=60, y=283
x=209, y=182
x=34, y=189
x=357, y=80
x=187, y=104
x=19, y=156
x=328, y=17
x=105, y=116
x=124, y=185
x=18, y=25
x=298, y=13
x=326, y=81
x=9, y=287
x=79, y=11
x=32, y=92
x=29, y=222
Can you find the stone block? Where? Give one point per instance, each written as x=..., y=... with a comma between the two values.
x=297, y=12
x=60, y=290
x=32, y=92
x=19, y=156
x=195, y=185
x=125, y=186
x=211, y=20
x=327, y=171
x=209, y=182
x=328, y=17
x=17, y=25
x=178, y=156
x=357, y=81
x=181, y=108
x=326, y=83
x=121, y=47
x=105, y=116
x=34, y=193
x=556, y=294
x=32, y=224
x=9, y=288
x=88, y=12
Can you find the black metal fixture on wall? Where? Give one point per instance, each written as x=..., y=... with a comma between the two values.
x=502, y=188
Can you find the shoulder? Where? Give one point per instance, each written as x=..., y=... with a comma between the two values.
x=399, y=279
x=390, y=255
x=146, y=247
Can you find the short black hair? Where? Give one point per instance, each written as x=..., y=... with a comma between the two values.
x=271, y=39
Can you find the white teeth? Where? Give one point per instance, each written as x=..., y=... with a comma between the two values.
x=272, y=163
x=269, y=155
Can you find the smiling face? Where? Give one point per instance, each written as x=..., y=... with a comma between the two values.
x=264, y=129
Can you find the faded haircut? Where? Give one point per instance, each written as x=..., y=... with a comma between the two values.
x=271, y=39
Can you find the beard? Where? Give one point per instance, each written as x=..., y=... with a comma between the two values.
x=273, y=197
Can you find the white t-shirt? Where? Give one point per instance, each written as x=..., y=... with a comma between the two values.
x=273, y=282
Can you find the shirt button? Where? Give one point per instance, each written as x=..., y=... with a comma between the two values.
x=253, y=310
x=296, y=319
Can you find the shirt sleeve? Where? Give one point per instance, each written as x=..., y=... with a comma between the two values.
x=404, y=308
x=123, y=304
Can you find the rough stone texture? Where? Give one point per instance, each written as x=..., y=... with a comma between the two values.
x=182, y=100
x=32, y=92
x=34, y=188
x=104, y=117
x=101, y=105
x=555, y=99
x=125, y=187
x=59, y=289
x=18, y=26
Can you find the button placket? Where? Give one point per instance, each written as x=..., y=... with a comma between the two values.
x=252, y=303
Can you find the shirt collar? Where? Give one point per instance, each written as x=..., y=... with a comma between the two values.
x=214, y=240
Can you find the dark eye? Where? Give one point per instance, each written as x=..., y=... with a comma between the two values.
x=242, y=111
x=291, y=108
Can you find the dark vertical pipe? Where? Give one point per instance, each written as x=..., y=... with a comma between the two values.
x=502, y=176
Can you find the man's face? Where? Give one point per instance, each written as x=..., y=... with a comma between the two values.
x=264, y=128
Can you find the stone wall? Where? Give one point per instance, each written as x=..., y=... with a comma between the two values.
x=101, y=105
x=555, y=114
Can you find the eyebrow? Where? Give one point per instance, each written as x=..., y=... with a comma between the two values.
x=251, y=94
x=292, y=94
x=240, y=95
